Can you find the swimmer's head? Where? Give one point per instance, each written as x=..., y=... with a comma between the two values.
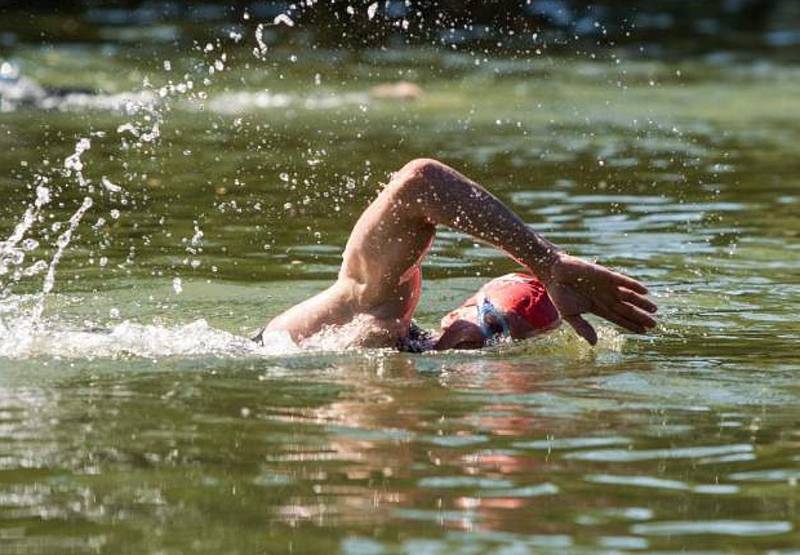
x=514, y=306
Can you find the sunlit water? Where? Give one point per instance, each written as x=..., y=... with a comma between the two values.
x=136, y=416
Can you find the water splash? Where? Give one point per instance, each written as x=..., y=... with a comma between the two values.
x=73, y=163
x=23, y=330
x=372, y=10
x=61, y=244
x=261, y=50
x=11, y=256
x=565, y=342
x=283, y=19
x=20, y=339
x=361, y=333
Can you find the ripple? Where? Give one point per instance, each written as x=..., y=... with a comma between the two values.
x=447, y=482
x=572, y=443
x=717, y=489
x=526, y=491
x=457, y=441
x=272, y=480
x=533, y=540
x=631, y=513
x=734, y=457
x=436, y=516
x=364, y=434
x=624, y=455
x=662, y=483
x=716, y=527
x=640, y=481
x=623, y=542
x=775, y=475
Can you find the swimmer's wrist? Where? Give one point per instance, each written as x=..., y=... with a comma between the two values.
x=544, y=264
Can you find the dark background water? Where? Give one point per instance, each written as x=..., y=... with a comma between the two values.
x=657, y=27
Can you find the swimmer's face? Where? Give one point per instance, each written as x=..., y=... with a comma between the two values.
x=461, y=328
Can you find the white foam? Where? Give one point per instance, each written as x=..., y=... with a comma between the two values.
x=148, y=103
x=247, y=101
x=127, y=102
x=24, y=338
x=18, y=91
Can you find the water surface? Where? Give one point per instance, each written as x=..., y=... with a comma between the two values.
x=136, y=417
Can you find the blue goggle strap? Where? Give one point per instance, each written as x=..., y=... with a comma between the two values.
x=486, y=308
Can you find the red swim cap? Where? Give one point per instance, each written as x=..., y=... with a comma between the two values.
x=525, y=296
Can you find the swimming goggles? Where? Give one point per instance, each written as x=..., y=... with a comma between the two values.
x=497, y=325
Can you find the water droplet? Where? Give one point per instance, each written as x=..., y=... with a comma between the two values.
x=371, y=10
x=285, y=19
x=110, y=187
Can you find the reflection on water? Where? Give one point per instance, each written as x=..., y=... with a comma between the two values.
x=136, y=415
x=355, y=442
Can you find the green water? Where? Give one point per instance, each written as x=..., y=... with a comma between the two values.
x=135, y=417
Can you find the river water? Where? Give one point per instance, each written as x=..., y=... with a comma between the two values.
x=136, y=417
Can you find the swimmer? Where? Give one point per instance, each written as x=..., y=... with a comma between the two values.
x=380, y=281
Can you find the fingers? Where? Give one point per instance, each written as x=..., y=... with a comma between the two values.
x=582, y=328
x=620, y=320
x=629, y=283
x=637, y=300
x=610, y=295
x=634, y=314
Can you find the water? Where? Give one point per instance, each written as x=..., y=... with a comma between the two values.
x=135, y=416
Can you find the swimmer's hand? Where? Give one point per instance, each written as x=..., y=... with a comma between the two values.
x=577, y=287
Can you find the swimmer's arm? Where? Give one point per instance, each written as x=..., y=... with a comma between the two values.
x=394, y=233
x=440, y=195
x=329, y=307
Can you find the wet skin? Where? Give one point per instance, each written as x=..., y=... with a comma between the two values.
x=380, y=279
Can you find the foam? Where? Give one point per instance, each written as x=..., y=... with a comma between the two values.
x=22, y=337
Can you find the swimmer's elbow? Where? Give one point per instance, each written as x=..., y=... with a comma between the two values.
x=416, y=182
x=420, y=170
